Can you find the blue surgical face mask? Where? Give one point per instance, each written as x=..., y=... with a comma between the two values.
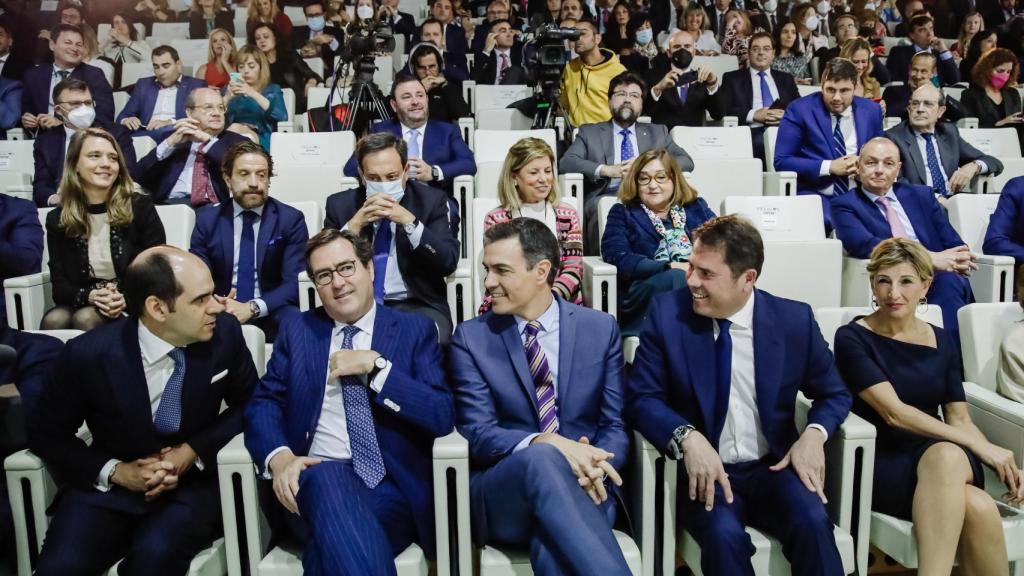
x=644, y=37
x=316, y=23
x=935, y=81
x=394, y=188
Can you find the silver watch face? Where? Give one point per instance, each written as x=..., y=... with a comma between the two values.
x=380, y=363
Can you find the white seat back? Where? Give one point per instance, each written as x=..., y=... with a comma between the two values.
x=46, y=245
x=143, y=145
x=168, y=31
x=714, y=142
x=489, y=97
x=488, y=175
x=103, y=30
x=718, y=64
x=604, y=206
x=16, y=156
x=969, y=214
x=192, y=52
x=715, y=180
x=770, y=134
x=954, y=92
x=1012, y=168
x=786, y=218
x=312, y=214
x=295, y=14
x=309, y=166
x=178, y=221
x=830, y=319
x=120, y=101
x=316, y=97
x=493, y=145
x=982, y=329
x=503, y=119
x=316, y=65
x=256, y=342
x=289, y=102
x=805, y=90
x=999, y=142
x=131, y=72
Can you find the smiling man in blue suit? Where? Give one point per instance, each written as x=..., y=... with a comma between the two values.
x=537, y=384
x=345, y=418
x=714, y=385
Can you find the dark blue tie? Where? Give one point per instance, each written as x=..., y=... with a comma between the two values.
x=683, y=91
x=167, y=419
x=366, y=458
x=766, y=93
x=723, y=376
x=842, y=183
x=245, y=284
x=626, y=148
x=938, y=180
x=381, y=250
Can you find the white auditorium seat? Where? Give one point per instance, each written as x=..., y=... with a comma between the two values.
x=103, y=30
x=483, y=98
x=192, y=52
x=131, y=72
x=309, y=166
x=1012, y=168
x=998, y=142
x=718, y=64
x=29, y=297
x=143, y=145
x=164, y=32
x=120, y=101
x=289, y=105
x=295, y=14
x=17, y=167
x=178, y=221
x=969, y=215
x=498, y=142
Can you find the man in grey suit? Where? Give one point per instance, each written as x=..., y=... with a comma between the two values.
x=932, y=152
x=603, y=152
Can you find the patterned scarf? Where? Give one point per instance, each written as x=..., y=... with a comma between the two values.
x=675, y=244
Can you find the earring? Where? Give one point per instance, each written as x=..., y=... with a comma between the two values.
x=874, y=304
x=923, y=302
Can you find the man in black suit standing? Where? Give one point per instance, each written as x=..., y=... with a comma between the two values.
x=150, y=387
x=758, y=96
x=923, y=39
x=316, y=39
x=922, y=69
x=681, y=96
x=501, y=61
x=407, y=222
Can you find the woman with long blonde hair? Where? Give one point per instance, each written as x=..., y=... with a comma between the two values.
x=858, y=51
x=221, y=59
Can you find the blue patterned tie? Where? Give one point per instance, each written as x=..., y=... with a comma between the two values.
x=766, y=93
x=245, y=284
x=168, y=414
x=626, y=149
x=938, y=180
x=842, y=183
x=366, y=458
x=723, y=375
x=381, y=251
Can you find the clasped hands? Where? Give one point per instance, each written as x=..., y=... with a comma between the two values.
x=108, y=300
x=155, y=474
x=380, y=206
x=589, y=463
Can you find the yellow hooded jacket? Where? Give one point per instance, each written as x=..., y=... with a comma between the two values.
x=585, y=89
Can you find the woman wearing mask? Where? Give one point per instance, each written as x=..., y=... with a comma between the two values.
x=252, y=100
x=695, y=21
x=640, y=58
x=992, y=97
x=858, y=51
x=789, y=58
x=267, y=12
x=982, y=43
x=286, y=69
x=208, y=15
x=366, y=16
x=616, y=37
x=222, y=60
x=973, y=23
x=807, y=21
x=99, y=227
x=737, y=35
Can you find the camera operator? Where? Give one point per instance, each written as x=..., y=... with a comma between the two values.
x=445, y=96
x=680, y=94
x=501, y=59
x=584, y=87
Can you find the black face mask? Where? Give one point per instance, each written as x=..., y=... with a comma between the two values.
x=682, y=59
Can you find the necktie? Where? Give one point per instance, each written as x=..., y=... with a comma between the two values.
x=842, y=183
x=895, y=224
x=723, y=376
x=168, y=414
x=245, y=284
x=626, y=148
x=938, y=180
x=202, y=187
x=602, y=22
x=543, y=382
x=503, y=69
x=766, y=93
x=684, y=90
x=63, y=74
x=381, y=251
x=721, y=24
x=366, y=458
x=414, y=143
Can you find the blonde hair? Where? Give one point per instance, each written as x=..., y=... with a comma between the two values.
x=74, y=218
x=851, y=47
x=895, y=251
x=254, y=11
x=211, y=56
x=252, y=51
x=519, y=155
x=629, y=191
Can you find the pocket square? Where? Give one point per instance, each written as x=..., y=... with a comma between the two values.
x=218, y=376
x=274, y=240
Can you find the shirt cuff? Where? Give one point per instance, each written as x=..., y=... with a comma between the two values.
x=416, y=235
x=266, y=463
x=199, y=464
x=103, y=480
x=525, y=442
x=823, y=170
x=713, y=89
x=262, y=306
x=377, y=384
x=820, y=428
x=655, y=95
x=947, y=55
x=597, y=172
x=750, y=116
x=334, y=45
x=981, y=164
x=163, y=151
x=440, y=173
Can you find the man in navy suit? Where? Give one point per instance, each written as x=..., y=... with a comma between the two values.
x=21, y=242
x=345, y=418
x=10, y=105
x=820, y=134
x=157, y=101
x=316, y=39
x=714, y=385
x=1005, y=233
x=922, y=68
x=923, y=39
x=12, y=62
x=500, y=60
x=254, y=234
x=150, y=387
x=407, y=222
x=451, y=64
x=75, y=109
x=537, y=383
x=198, y=143
x=68, y=49
x=880, y=208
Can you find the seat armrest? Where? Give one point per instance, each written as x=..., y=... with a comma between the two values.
x=27, y=299
x=23, y=191
x=654, y=525
x=25, y=469
x=308, y=297
x=967, y=123
x=464, y=188
x=993, y=280
x=572, y=185
x=467, y=127
x=27, y=281
x=246, y=530
x=1000, y=419
x=460, y=292
x=984, y=184
x=600, y=286
x=349, y=183
x=779, y=183
x=730, y=121
x=15, y=134
x=451, y=484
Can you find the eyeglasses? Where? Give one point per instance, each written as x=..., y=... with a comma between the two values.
x=76, y=103
x=209, y=108
x=926, y=104
x=644, y=179
x=633, y=95
x=345, y=270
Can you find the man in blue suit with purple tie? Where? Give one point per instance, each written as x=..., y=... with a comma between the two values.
x=158, y=100
x=820, y=135
x=714, y=386
x=537, y=383
x=345, y=418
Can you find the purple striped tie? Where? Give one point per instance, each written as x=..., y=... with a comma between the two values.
x=542, y=380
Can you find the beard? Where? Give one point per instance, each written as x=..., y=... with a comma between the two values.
x=625, y=113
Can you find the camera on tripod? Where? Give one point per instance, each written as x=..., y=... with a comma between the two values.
x=551, y=54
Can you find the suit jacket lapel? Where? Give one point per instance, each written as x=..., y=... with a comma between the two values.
x=268, y=226
x=643, y=137
x=824, y=119
x=226, y=230
x=948, y=155
x=609, y=137
x=566, y=351
x=198, y=359
x=517, y=355
x=916, y=161
x=912, y=209
x=179, y=104
x=384, y=330
x=698, y=348
x=878, y=223
x=128, y=379
x=768, y=357
x=317, y=347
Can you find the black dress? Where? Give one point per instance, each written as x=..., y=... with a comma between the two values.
x=923, y=377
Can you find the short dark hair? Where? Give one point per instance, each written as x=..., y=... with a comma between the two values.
x=431, y=20
x=380, y=141
x=149, y=275
x=309, y=3
x=535, y=239
x=71, y=84
x=918, y=21
x=584, y=19
x=60, y=28
x=771, y=40
x=244, y=147
x=403, y=78
x=361, y=246
x=626, y=78
x=165, y=49
x=838, y=69
x=737, y=238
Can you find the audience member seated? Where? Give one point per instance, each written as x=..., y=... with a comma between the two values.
x=529, y=189
x=159, y=100
x=923, y=39
x=574, y=10
x=807, y=20
x=927, y=470
x=933, y=153
x=821, y=133
x=206, y=16
x=267, y=12
x=11, y=95
x=287, y=70
x=625, y=138
x=697, y=348
x=453, y=35
x=648, y=237
x=69, y=13
x=68, y=49
x=682, y=95
x=401, y=23
x=970, y=25
x=790, y=59
x=253, y=101
x=922, y=70
x=145, y=490
x=360, y=445
x=21, y=244
x=546, y=477
x=444, y=92
x=882, y=208
x=695, y=20
x=616, y=34
x=75, y=108
x=494, y=10
x=149, y=12
x=992, y=97
x=122, y=43
x=452, y=65
x=407, y=223
x=1000, y=13
x=585, y=79
x=982, y=43
x=316, y=39
x=259, y=270
x=759, y=96
x=1005, y=233
x=846, y=27
x=736, y=41
x=13, y=64
x=222, y=60
x=716, y=11
x=96, y=230
x=858, y=51
x=910, y=9
x=185, y=167
x=501, y=60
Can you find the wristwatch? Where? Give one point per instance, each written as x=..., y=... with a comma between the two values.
x=435, y=173
x=379, y=364
x=679, y=436
x=411, y=227
x=110, y=475
x=254, y=308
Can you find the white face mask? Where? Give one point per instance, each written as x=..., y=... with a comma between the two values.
x=364, y=12
x=82, y=117
x=393, y=188
x=870, y=6
x=823, y=7
x=644, y=37
x=316, y=23
x=769, y=5
x=811, y=22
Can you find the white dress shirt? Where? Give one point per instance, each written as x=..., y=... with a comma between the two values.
x=922, y=146
x=548, y=337
x=419, y=142
x=238, y=224
x=3, y=61
x=757, y=103
x=166, y=107
x=183, y=187
x=849, y=130
x=897, y=207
